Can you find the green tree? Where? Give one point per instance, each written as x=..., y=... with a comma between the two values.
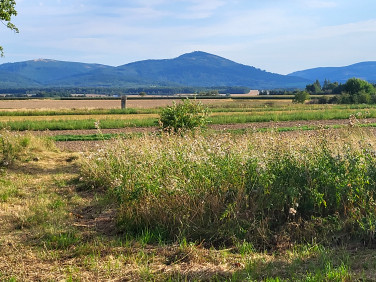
x=7, y=10
x=314, y=88
x=300, y=97
x=355, y=86
x=357, y=91
x=329, y=86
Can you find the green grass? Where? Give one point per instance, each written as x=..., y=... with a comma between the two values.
x=229, y=116
x=238, y=111
x=94, y=137
x=290, y=116
x=76, y=124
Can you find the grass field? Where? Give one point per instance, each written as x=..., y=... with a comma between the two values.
x=263, y=203
x=223, y=112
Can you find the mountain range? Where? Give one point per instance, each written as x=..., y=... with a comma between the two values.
x=196, y=69
x=363, y=70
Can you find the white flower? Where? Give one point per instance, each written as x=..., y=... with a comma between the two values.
x=292, y=211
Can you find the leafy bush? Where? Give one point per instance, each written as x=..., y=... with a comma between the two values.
x=187, y=115
x=300, y=97
x=357, y=91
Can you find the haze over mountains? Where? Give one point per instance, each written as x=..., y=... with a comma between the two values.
x=198, y=69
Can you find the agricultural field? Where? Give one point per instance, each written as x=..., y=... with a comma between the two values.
x=267, y=191
x=88, y=104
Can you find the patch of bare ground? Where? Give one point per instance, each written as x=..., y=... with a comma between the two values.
x=249, y=125
x=89, y=145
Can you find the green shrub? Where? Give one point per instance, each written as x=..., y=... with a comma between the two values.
x=187, y=115
x=300, y=97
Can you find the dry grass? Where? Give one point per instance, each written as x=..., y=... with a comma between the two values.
x=52, y=230
x=91, y=104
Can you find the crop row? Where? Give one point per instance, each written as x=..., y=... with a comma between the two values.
x=215, y=118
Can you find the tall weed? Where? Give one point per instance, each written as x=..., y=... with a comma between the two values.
x=15, y=146
x=260, y=187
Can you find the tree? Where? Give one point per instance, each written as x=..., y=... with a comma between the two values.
x=356, y=91
x=355, y=86
x=300, y=97
x=314, y=88
x=7, y=10
x=329, y=86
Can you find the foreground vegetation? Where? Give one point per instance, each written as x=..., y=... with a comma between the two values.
x=238, y=205
x=259, y=188
x=212, y=209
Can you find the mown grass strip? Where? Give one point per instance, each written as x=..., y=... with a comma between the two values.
x=232, y=106
x=216, y=118
x=289, y=116
x=76, y=124
x=95, y=137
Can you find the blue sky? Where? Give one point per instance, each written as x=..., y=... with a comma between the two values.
x=275, y=35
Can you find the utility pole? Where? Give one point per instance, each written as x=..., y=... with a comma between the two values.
x=124, y=102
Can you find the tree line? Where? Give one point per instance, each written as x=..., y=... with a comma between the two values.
x=354, y=91
x=56, y=92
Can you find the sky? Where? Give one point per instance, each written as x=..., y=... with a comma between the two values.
x=279, y=36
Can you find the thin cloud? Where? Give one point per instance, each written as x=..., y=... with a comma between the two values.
x=317, y=4
x=275, y=35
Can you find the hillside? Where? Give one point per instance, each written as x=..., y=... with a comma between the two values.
x=44, y=72
x=192, y=69
x=364, y=70
x=204, y=69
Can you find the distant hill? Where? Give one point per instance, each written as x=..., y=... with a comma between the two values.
x=364, y=70
x=44, y=72
x=193, y=69
x=203, y=69
x=14, y=80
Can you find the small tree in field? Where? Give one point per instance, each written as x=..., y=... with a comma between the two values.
x=186, y=115
x=300, y=97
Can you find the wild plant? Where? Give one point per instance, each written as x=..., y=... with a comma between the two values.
x=255, y=187
x=186, y=115
x=15, y=146
x=12, y=146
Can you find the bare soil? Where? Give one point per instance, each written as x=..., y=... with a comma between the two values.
x=88, y=145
